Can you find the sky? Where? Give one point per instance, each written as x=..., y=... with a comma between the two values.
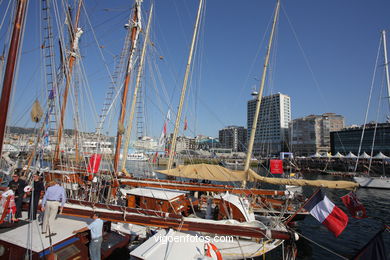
x=323, y=57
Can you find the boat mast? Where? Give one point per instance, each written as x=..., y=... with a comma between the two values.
x=131, y=116
x=11, y=65
x=183, y=90
x=386, y=65
x=134, y=37
x=68, y=74
x=260, y=94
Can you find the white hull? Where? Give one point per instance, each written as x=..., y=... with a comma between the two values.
x=191, y=245
x=373, y=182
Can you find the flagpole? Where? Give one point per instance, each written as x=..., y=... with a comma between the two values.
x=304, y=204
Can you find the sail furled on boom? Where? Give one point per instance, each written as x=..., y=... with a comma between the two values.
x=219, y=173
x=205, y=172
x=346, y=185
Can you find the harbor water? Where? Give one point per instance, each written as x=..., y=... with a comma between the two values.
x=316, y=242
x=356, y=234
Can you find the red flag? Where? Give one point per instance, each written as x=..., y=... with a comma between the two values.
x=324, y=210
x=165, y=129
x=185, y=124
x=94, y=163
x=355, y=207
x=276, y=166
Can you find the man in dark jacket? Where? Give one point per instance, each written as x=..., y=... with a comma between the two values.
x=35, y=196
x=19, y=193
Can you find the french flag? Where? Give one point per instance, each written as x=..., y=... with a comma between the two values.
x=327, y=213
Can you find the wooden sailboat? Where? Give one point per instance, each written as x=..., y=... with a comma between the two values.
x=24, y=239
x=71, y=245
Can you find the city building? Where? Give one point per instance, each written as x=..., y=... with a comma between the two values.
x=272, y=126
x=182, y=143
x=376, y=138
x=233, y=137
x=147, y=143
x=311, y=134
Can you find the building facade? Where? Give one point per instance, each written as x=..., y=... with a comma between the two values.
x=375, y=138
x=183, y=143
x=311, y=134
x=272, y=126
x=233, y=137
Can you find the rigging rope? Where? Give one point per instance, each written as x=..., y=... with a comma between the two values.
x=368, y=104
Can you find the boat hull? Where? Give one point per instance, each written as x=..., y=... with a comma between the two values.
x=373, y=182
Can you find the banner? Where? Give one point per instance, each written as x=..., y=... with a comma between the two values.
x=276, y=166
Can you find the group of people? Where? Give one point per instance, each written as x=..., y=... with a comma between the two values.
x=52, y=202
x=16, y=192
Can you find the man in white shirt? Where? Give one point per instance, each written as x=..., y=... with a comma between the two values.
x=95, y=244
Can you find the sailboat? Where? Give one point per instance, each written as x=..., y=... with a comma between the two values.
x=234, y=218
x=167, y=209
x=381, y=182
x=23, y=239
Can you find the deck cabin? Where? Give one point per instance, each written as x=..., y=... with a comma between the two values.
x=158, y=199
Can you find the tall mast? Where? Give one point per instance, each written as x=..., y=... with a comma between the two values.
x=260, y=95
x=386, y=65
x=183, y=90
x=131, y=116
x=11, y=65
x=134, y=37
x=68, y=75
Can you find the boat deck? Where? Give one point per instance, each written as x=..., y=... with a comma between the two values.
x=29, y=235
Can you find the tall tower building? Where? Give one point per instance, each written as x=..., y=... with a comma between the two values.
x=233, y=137
x=272, y=126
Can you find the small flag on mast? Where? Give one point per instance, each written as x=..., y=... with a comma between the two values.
x=354, y=206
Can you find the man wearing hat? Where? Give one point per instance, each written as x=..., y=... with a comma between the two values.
x=54, y=195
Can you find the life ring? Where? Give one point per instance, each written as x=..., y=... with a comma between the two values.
x=28, y=188
x=211, y=247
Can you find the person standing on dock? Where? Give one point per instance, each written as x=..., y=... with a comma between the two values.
x=19, y=193
x=50, y=203
x=34, y=198
x=95, y=244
